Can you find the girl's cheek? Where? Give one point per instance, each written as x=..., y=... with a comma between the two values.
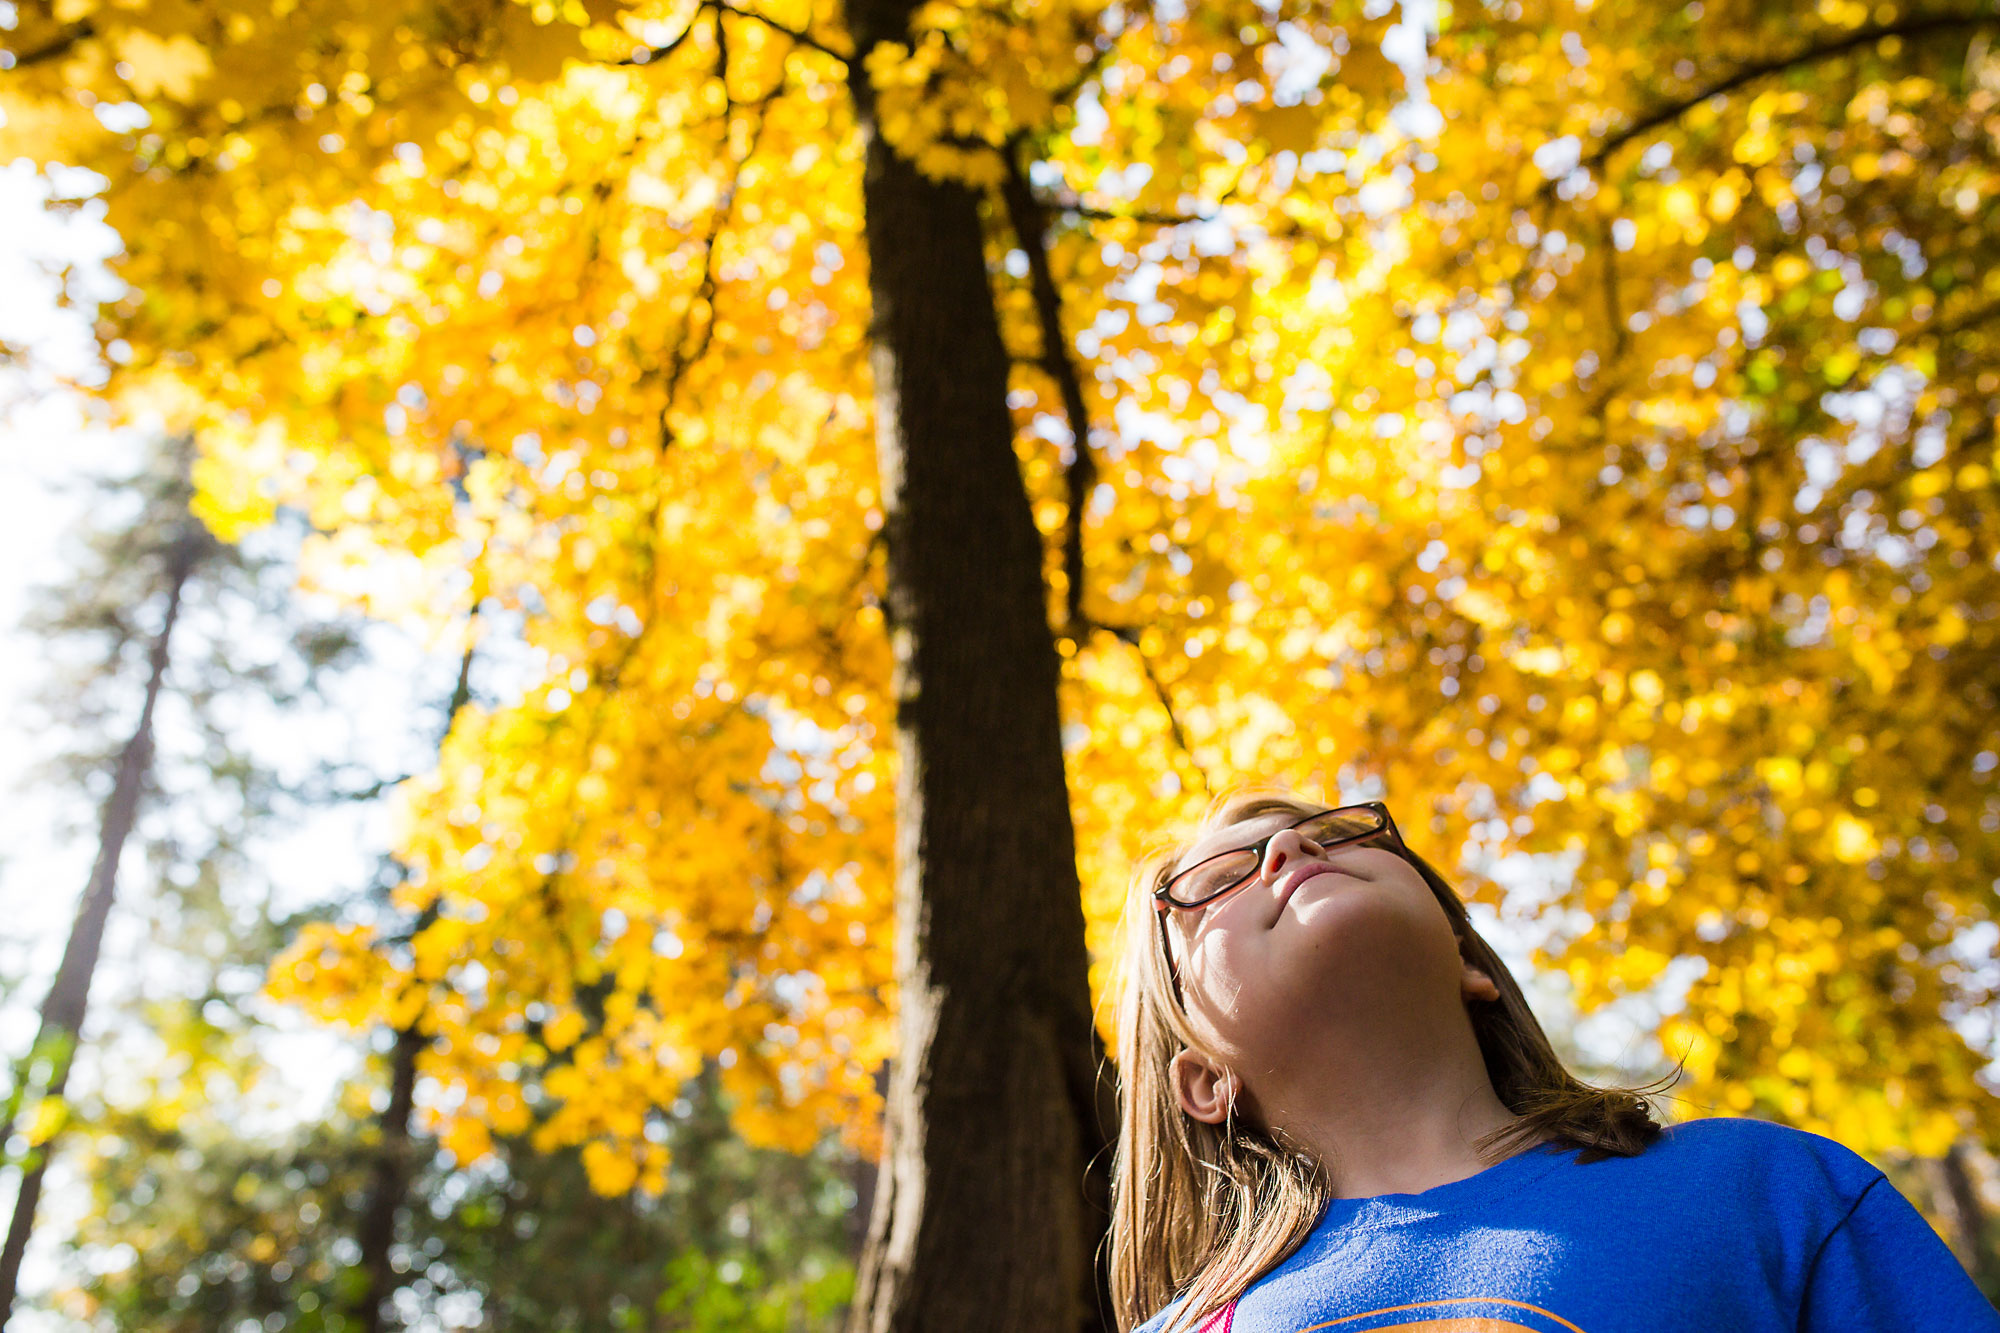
x=1226, y=972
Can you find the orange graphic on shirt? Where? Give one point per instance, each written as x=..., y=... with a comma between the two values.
x=1521, y=1318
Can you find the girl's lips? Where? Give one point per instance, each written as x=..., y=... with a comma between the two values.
x=1292, y=884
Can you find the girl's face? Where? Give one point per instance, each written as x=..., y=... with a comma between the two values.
x=1318, y=950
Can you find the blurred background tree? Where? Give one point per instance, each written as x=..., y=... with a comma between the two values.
x=1574, y=423
x=158, y=611
x=166, y=556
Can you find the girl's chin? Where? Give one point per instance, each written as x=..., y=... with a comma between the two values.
x=1343, y=939
x=1348, y=905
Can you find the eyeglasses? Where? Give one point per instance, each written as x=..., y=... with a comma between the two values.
x=1210, y=878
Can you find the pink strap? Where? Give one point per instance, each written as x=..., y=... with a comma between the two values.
x=1227, y=1314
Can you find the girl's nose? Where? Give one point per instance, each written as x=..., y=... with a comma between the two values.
x=1284, y=847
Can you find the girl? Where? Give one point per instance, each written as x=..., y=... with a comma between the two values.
x=1338, y=1113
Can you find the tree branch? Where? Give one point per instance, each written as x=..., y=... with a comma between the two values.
x=798, y=35
x=1078, y=210
x=1167, y=706
x=1614, y=311
x=1103, y=51
x=1965, y=322
x=648, y=55
x=330, y=794
x=1911, y=27
x=1129, y=635
x=1075, y=207
x=61, y=46
x=1031, y=227
x=686, y=353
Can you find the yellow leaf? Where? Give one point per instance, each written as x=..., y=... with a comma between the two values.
x=562, y=1031
x=611, y=1172
x=1931, y=481
x=466, y=1139
x=1288, y=128
x=171, y=66
x=1853, y=839
x=51, y=1115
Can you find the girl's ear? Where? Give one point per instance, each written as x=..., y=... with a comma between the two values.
x=1204, y=1088
x=1474, y=984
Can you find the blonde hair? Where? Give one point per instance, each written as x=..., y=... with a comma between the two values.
x=1203, y=1211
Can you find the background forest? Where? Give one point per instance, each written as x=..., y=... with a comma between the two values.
x=660, y=558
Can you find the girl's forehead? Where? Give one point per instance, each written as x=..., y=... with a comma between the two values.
x=1231, y=836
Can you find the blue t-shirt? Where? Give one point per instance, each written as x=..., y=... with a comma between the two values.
x=1722, y=1226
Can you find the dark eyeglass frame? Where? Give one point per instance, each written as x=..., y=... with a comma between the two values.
x=1163, y=900
x=1163, y=904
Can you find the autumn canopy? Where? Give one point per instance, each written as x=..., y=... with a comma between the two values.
x=1573, y=422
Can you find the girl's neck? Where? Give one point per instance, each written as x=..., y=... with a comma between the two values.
x=1402, y=1127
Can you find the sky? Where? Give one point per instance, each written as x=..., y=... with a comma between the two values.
x=50, y=447
x=44, y=443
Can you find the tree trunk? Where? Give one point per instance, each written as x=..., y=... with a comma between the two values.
x=981, y=1218
x=388, y=1178
x=69, y=994
x=389, y=1175
x=1966, y=1216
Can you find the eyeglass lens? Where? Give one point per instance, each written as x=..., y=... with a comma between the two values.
x=1225, y=870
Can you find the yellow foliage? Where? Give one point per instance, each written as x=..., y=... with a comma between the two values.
x=1414, y=466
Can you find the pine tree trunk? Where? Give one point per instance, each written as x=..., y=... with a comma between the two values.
x=69, y=994
x=388, y=1179
x=981, y=1219
x=389, y=1174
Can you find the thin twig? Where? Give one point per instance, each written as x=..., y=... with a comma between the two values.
x=1127, y=634
x=1090, y=214
x=1075, y=207
x=330, y=794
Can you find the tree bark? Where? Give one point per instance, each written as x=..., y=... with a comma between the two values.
x=388, y=1179
x=69, y=993
x=1966, y=1215
x=982, y=1218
